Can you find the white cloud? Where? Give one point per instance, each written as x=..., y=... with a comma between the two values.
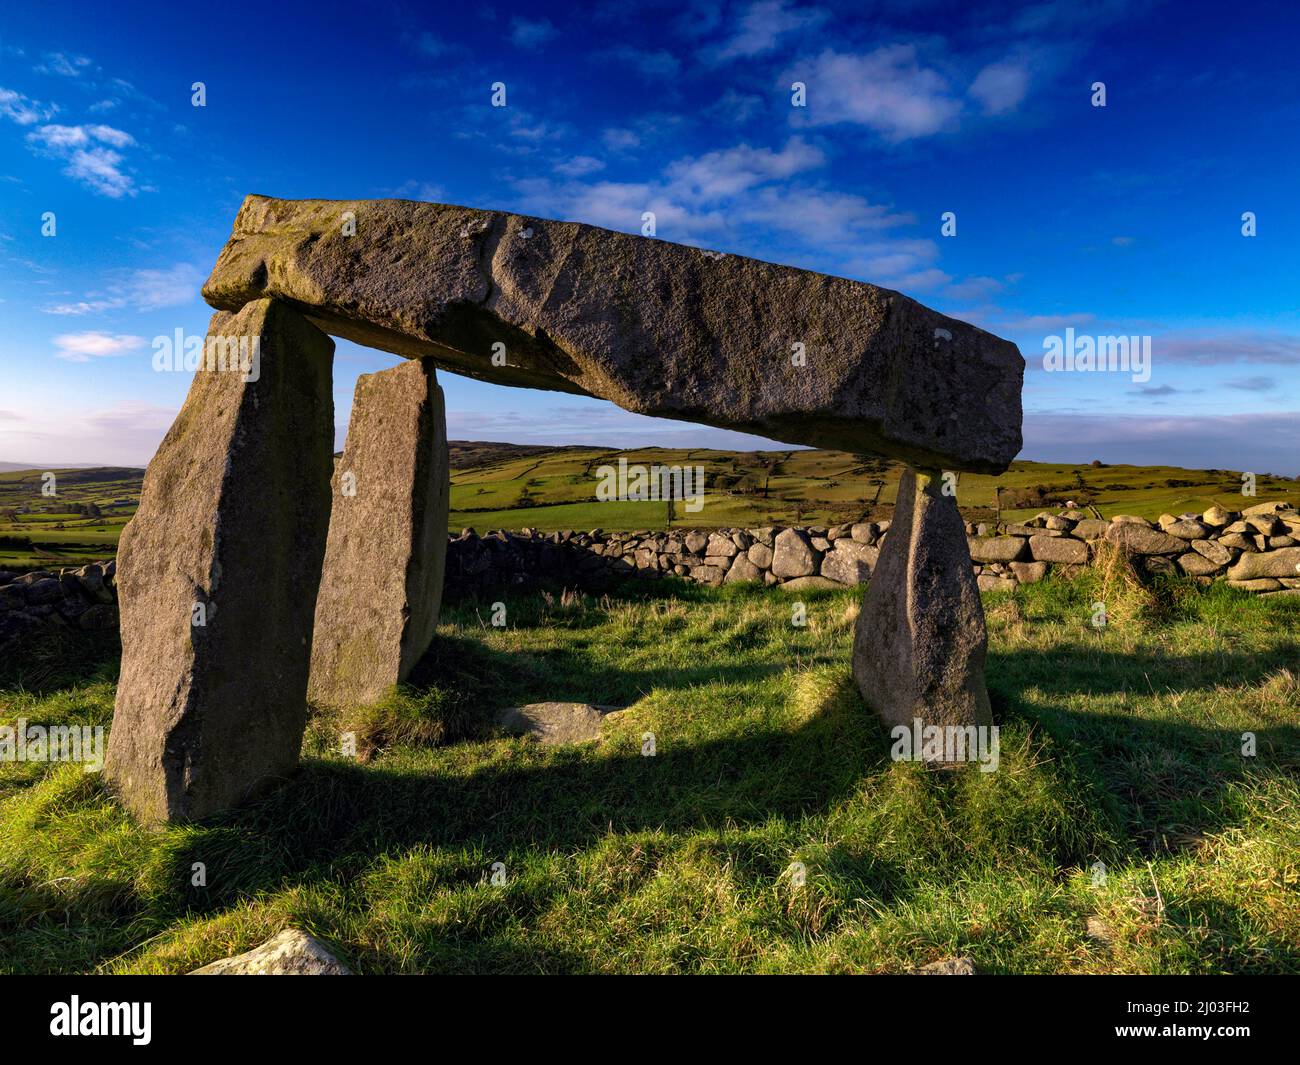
x=26, y=112
x=530, y=33
x=621, y=140
x=702, y=198
x=887, y=90
x=974, y=288
x=141, y=290
x=82, y=347
x=579, y=165
x=88, y=161
x=728, y=172
x=763, y=25
x=66, y=66
x=1000, y=87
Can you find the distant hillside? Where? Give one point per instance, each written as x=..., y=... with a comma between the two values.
x=473, y=454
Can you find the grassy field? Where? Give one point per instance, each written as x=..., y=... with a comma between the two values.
x=42, y=530
x=504, y=486
x=1122, y=746
x=557, y=491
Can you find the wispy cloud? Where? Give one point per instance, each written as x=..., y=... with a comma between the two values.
x=888, y=90
x=531, y=33
x=26, y=112
x=1251, y=384
x=91, y=153
x=1001, y=87
x=82, y=347
x=141, y=290
x=762, y=26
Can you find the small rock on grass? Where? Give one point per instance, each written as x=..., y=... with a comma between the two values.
x=555, y=723
x=291, y=953
x=947, y=967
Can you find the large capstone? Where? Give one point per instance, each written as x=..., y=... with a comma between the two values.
x=217, y=573
x=920, y=641
x=384, y=564
x=658, y=328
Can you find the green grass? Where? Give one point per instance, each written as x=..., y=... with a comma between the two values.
x=1122, y=745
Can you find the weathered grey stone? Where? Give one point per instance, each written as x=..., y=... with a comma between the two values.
x=385, y=560
x=554, y=724
x=1265, y=524
x=864, y=532
x=658, y=328
x=803, y=584
x=920, y=639
x=1195, y=564
x=1257, y=584
x=947, y=967
x=1143, y=540
x=1240, y=541
x=707, y=574
x=720, y=547
x=291, y=953
x=1217, y=516
x=850, y=562
x=1090, y=529
x=743, y=570
x=230, y=530
x=793, y=555
x=1058, y=549
x=1131, y=519
x=1266, y=508
x=760, y=555
x=1213, y=550
x=1188, y=529
x=1283, y=563
x=997, y=548
x=1029, y=572
x=696, y=542
x=994, y=582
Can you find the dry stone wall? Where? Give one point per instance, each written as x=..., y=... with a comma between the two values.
x=1257, y=549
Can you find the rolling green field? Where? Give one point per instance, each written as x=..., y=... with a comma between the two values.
x=41, y=530
x=505, y=486
x=747, y=488
x=1122, y=746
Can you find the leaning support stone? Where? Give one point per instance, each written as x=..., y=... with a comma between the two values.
x=384, y=566
x=217, y=574
x=919, y=646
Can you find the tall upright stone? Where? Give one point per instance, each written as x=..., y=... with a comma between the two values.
x=217, y=573
x=384, y=564
x=920, y=641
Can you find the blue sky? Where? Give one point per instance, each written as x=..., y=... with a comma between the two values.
x=1124, y=219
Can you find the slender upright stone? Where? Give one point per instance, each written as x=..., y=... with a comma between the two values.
x=217, y=573
x=384, y=565
x=920, y=641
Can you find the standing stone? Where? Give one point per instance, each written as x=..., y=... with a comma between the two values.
x=920, y=641
x=217, y=575
x=384, y=565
